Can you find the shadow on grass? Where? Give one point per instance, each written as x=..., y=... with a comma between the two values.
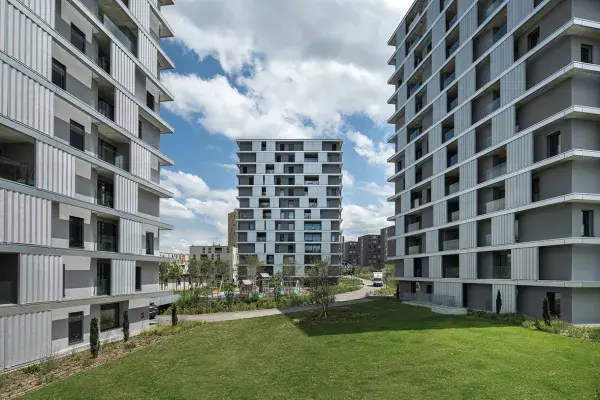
x=383, y=315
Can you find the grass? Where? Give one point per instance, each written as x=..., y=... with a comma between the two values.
x=381, y=350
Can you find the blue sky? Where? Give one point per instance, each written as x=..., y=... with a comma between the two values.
x=266, y=69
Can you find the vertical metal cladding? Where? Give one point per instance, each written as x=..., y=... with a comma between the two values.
x=40, y=278
x=126, y=194
x=126, y=112
x=438, y=31
x=26, y=101
x=464, y=58
x=503, y=125
x=24, y=338
x=466, y=145
x=399, y=223
x=463, y=5
x=467, y=235
x=517, y=11
x=509, y=298
x=409, y=109
x=400, y=54
x=147, y=53
x=409, y=267
x=466, y=86
x=440, y=108
x=518, y=190
x=468, y=24
x=452, y=289
x=432, y=241
x=409, y=177
x=467, y=265
x=462, y=119
x=439, y=53
x=32, y=46
x=400, y=251
x=440, y=160
x=433, y=86
x=467, y=203
x=402, y=95
x=401, y=138
x=435, y=267
x=502, y=57
x=122, y=67
x=440, y=214
x=503, y=229
x=432, y=13
x=27, y=219
x=513, y=84
x=55, y=170
x=43, y=9
x=405, y=201
x=141, y=167
x=519, y=153
x=141, y=10
x=435, y=136
x=437, y=188
x=468, y=175
x=525, y=263
x=409, y=65
x=409, y=154
x=122, y=277
x=130, y=236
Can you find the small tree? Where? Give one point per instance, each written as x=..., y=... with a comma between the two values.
x=163, y=272
x=206, y=265
x=321, y=293
x=174, y=271
x=194, y=270
x=223, y=270
x=498, y=302
x=125, y=326
x=174, y=318
x=253, y=265
x=546, y=311
x=388, y=272
x=277, y=283
x=288, y=269
x=94, y=338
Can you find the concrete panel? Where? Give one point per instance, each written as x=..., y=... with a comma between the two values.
x=55, y=170
x=432, y=241
x=468, y=175
x=440, y=160
x=27, y=337
x=462, y=119
x=453, y=289
x=502, y=57
x=435, y=267
x=27, y=219
x=440, y=215
x=513, y=84
x=503, y=125
x=517, y=11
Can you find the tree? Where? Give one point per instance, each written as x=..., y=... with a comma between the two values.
x=388, y=272
x=498, y=302
x=546, y=311
x=94, y=338
x=125, y=326
x=194, y=270
x=206, y=265
x=288, y=270
x=253, y=265
x=174, y=271
x=163, y=272
x=277, y=283
x=174, y=318
x=321, y=292
x=223, y=270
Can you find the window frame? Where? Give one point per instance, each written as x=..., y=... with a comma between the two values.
x=78, y=131
x=590, y=53
x=148, y=248
x=79, y=35
x=587, y=221
x=58, y=67
x=76, y=228
x=550, y=144
x=73, y=320
x=138, y=278
x=117, y=321
x=533, y=36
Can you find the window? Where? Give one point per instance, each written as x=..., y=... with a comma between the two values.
x=554, y=303
x=587, y=223
x=64, y=281
x=107, y=236
x=553, y=144
x=103, y=278
x=77, y=38
x=140, y=129
x=75, y=328
x=150, y=100
x=270, y=259
x=76, y=232
x=535, y=189
x=263, y=146
x=533, y=38
x=59, y=74
x=77, y=138
x=138, y=278
x=586, y=53
x=149, y=242
x=109, y=316
x=429, y=289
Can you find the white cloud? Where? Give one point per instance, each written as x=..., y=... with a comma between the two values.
x=180, y=240
x=361, y=220
x=214, y=211
x=375, y=189
x=232, y=167
x=376, y=153
x=171, y=208
x=190, y=185
x=347, y=179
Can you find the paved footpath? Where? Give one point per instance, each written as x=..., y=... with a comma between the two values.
x=358, y=296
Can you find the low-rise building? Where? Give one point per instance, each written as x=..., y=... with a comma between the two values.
x=217, y=252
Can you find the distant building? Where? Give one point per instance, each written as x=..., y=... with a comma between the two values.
x=350, y=252
x=181, y=258
x=217, y=252
x=369, y=251
x=232, y=228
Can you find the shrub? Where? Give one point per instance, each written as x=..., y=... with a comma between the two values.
x=94, y=338
x=546, y=311
x=125, y=326
x=32, y=369
x=498, y=302
x=174, y=318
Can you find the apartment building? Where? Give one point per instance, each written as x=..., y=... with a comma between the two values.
x=369, y=251
x=350, y=252
x=388, y=248
x=217, y=252
x=495, y=154
x=232, y=228
x=290, y=202
x=79, y=170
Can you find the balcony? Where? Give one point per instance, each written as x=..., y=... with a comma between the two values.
x=494, y=205
x=452, y=105
x=17, y=171
x=414, y=22
x=107, y=153
x=453, y=216
x=495, y=171
x=103, y=62
x=448, y=135
x=450, y=245
x=501, y=272
x=104, y=194
x=452, y=48
x=414, y=249
x=490, y=10
x=497, y=36
x=451, y=22
x=313, y=250
x=105, y=108
x=414, y=134
x=452, y=160
x=412, y=89
x=449, y=80
x=451, y=189
x=413, y=44
x=414, y=227
x=102, y=287
x=416, y=203
x=115, y=30
x=107, y=243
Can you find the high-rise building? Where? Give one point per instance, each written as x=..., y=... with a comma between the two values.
x=350, y=252
x=232, y=228
x=369, y=251
x=217, y=252
x=290, y=202
x=495, y=141
x=388, y=248
x=80, y=160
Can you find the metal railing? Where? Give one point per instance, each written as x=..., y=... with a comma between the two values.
x=487, y=240
x=450, y=244
x=430, y=298
x=448, y=135
x=453, y=188
x=414, y=227
x=454, y=216
x=105, y=108
x=107, y=243
x=17, y=171
x=115, y=30
x=102, y=287
x=449, y=79
x=111, y=156
x=488, y=11
x=104, y=63
x=414, y=22
x=452, y=160
x=497, y=36
x=495, y=171
x=494, y=205
x=312, y=227
x=414, y=249
x=453, y=48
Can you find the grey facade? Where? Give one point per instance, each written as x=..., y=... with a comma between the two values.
x=495, y=161
x=350, y=252
x=388, y=249
x=290, y=202
x=370, y=251
x=79, y=171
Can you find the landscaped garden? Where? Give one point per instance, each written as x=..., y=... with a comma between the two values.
x=381, y=349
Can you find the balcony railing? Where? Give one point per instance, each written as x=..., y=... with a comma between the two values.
x=106, y=109
x=453, y=104
x=494, y=205
x=414, y=227
x=449, y=79
x=448, y=135
x=414, y=22
x=453, y=48
x=414, y=134
x=497, y=36
x=102, y=287
x=495, y=171
x=115, y=30
x=487, y=240
x=414, y=250
x=414, y=88
x=311, y=182
x=17, y=171
x=453, y=216
x=453, y=188
x=491, y=8
x=493, y=106
x=105, y=153
x=501, y=272
x=452, y=160
x=450, y=244
x=312, y=227
x=107, y=243
x=416, y=203
x=311, y=250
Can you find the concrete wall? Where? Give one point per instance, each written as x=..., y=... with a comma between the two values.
x=479, y=297
x=530, y=298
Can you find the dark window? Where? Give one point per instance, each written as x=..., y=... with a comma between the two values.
x=77, y=38
x=554, y=303
x=535, y=189
x=553, y=144
x=586, y=53
x=104, y=193
x=334, y=147
x=587, y=223
x=140, y=129
x=138, y=278
x=263, y=146
x=109, y=316
x=103, y=278
x=77, y=138
x=64, y=281
x=149, y=243
x=75, y=328
x=107, y=236
x=76, y=232
x=428, y=289
x=150, y=101
x=270, y=259
x=59, y=74
x=533, y=38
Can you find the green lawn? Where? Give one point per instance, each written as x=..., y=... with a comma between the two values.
x=378, y=350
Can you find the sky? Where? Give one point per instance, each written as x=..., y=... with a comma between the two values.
x=250, y=69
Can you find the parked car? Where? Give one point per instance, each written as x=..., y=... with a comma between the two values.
x=152, y=310
x=377, y=282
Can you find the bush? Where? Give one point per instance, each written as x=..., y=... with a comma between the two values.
x=546, y=311
x=94, y=338
x=125, y=326
x=512, y=319
x=498, y=302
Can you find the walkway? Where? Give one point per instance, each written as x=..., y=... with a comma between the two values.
x=358, y=296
